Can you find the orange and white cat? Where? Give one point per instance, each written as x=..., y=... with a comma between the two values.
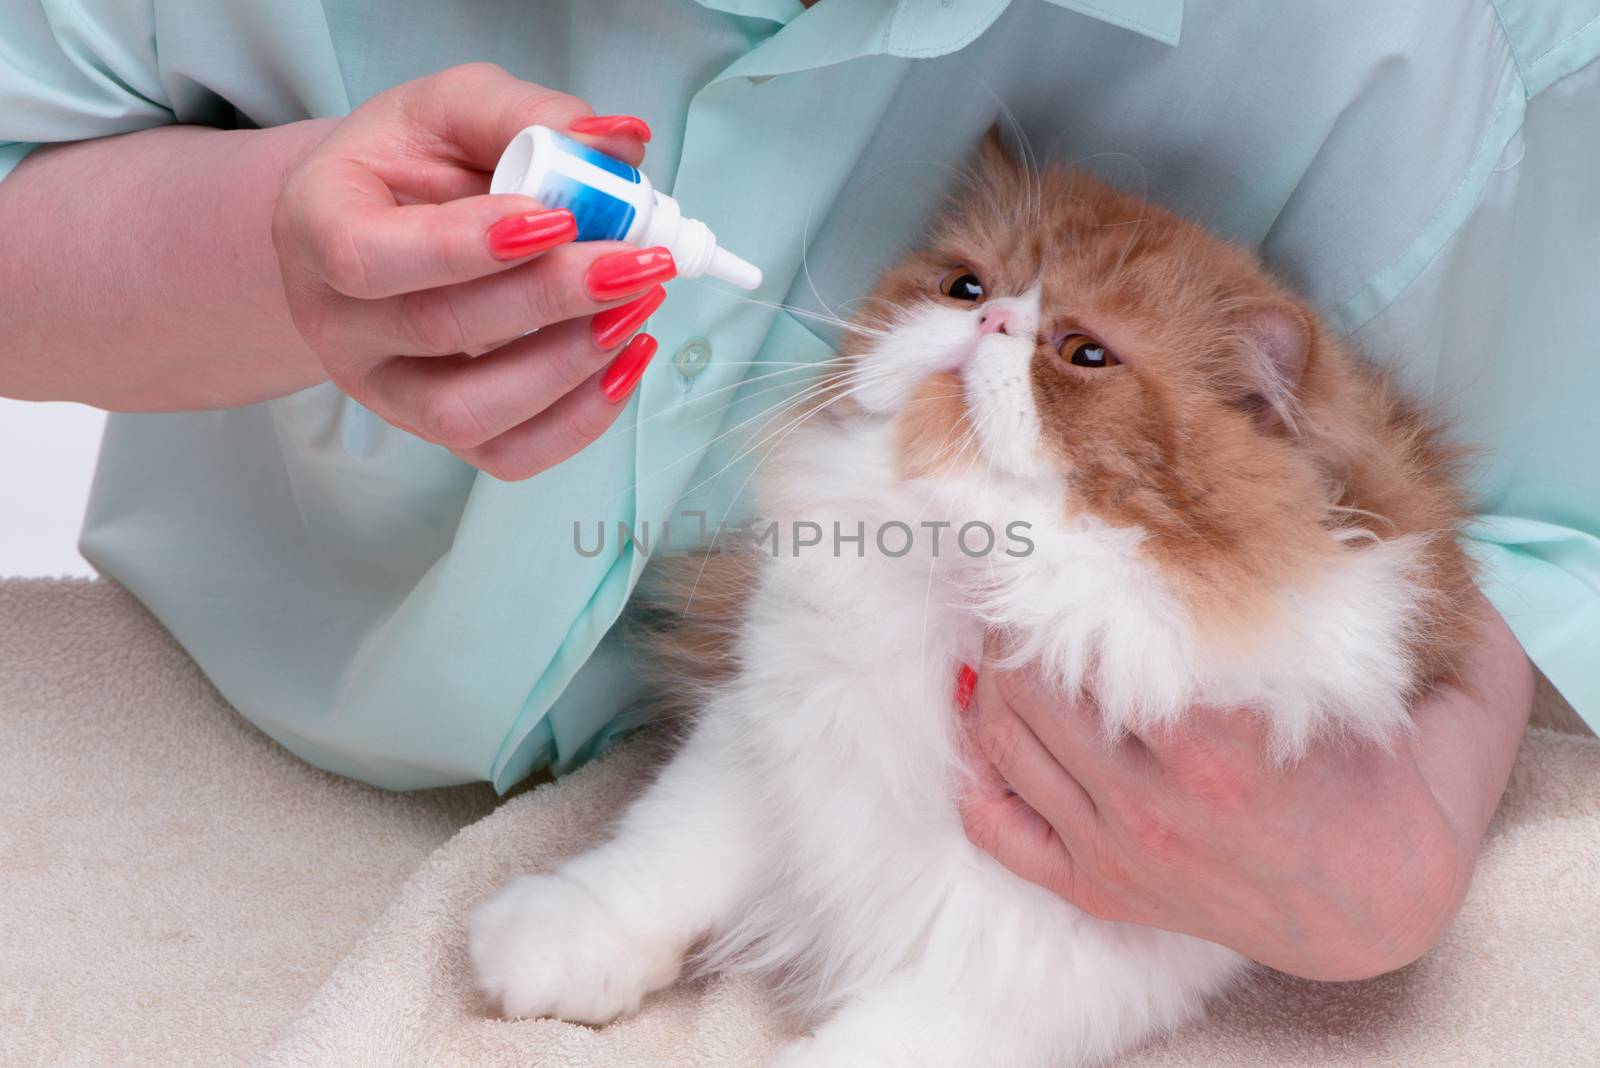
x=1224, y=507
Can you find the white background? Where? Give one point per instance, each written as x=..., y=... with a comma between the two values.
x=47, y=454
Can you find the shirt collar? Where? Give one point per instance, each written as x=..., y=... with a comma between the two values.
x=842, y=30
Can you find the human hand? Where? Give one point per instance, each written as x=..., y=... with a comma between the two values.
x=1346, y=864
x=418, y=290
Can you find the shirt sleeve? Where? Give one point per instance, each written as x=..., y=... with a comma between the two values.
x=76, y=70
x=1500, y=325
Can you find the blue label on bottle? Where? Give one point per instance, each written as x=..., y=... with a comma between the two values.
x=598, y=158
x=600, y=216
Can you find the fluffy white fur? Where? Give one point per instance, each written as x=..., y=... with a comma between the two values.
x=809, y=824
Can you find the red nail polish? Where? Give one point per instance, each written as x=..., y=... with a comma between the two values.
x=614, y=324
x=521, y=235
x=606, y=125
x=966, y=682
x=624, y=273
x=624, y=372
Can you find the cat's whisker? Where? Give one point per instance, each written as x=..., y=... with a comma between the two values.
x=855, y=377
x=933, y=495
x=738, y=493
x=848, y=326
x=695, y=453
x=831, y=381
x=834, y=367
x=795, y=367
x=1033, y=173
x=805, y=258
x=775, y=411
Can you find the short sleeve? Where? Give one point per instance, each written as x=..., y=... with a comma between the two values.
x=76, y=70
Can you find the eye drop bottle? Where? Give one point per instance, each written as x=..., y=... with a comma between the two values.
x=613, y=202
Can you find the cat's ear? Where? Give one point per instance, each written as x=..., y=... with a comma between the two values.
x=1277, y=345
x=995, y=161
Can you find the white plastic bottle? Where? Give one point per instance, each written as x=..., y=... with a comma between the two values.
x=613, y=202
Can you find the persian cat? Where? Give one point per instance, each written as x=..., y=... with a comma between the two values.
x=1222, y=505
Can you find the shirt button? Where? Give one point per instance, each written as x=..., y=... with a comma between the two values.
x=692, y=358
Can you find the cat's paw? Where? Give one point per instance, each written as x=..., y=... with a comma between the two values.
x=543, y=946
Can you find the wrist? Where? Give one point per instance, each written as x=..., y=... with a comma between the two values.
x=286, y=362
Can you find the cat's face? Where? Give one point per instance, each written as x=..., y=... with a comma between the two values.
x=1063, y=333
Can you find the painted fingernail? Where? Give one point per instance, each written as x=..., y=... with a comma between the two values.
x=521, y=235
x=966, y=682
x=614, y=324
x=624, y=372
x=622, y=273
x=606, y=125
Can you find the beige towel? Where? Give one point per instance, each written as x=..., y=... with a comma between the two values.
x=175, y=887
x=1515, y=982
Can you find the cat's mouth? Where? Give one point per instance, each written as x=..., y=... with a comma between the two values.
x=964, y=354
x=959, y=356
x=936, y=424
x=932, y=430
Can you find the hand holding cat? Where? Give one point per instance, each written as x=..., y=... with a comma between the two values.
x=420, y=293
x=1347, y=864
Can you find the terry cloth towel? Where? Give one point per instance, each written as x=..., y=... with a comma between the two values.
x=1516, y=980
x=175, y=888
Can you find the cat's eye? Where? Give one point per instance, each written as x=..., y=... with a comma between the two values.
x=962, y=284
x=1082, y=351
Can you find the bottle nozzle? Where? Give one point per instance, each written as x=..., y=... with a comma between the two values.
x=733, y=270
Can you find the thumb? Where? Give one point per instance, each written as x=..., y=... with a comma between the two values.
x=1006, y=827
x=479, y=107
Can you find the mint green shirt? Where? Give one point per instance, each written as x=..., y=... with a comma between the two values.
x=1425, y=172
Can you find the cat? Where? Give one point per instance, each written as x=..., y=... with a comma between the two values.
x=1215, y=503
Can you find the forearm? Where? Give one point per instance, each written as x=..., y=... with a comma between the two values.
x=140, y=275
x=1467, y=738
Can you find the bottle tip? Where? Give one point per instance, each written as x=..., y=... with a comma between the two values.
x=733, y=270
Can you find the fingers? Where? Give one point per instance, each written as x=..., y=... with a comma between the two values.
x=1011, y=832
x=997, y=819
x=350, y=232
x=477, y=109
x=463, y=403
x=568, y=425
x=1067, y=728
x=1010, y=746
x=414, y=216
x=559, y=285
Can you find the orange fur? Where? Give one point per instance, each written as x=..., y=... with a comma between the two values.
x=1180, y=440
x=686, y=618
x=1243, y=468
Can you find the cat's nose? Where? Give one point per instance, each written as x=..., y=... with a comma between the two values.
x=993, y=321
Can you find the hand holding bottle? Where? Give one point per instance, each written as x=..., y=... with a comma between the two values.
x=419, y=291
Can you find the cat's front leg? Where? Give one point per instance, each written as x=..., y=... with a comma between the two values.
x=588, y=941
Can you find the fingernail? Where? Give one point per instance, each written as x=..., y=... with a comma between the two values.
x=614, y=324
x=966, y=682
x=622, y=273
x=521, y=235
x=624, y=372
x=606, y=125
